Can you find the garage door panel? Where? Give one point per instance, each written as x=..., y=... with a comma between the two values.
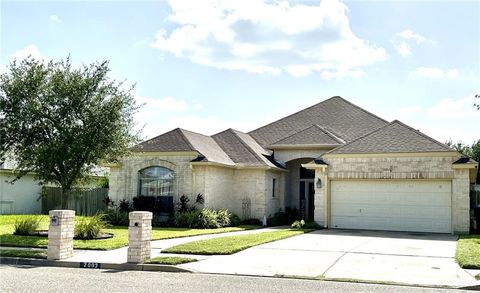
x=423, y=206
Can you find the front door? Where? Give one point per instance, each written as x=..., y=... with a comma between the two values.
x=307, y=197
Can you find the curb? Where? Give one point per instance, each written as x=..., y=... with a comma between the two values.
x=107, y=266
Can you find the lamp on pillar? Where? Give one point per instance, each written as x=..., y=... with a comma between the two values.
x=319, y=183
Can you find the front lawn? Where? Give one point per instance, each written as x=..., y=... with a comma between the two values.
x=23, y=253
x=468, y=251
x=231, y=244
x=170, y=260
x=120, y=238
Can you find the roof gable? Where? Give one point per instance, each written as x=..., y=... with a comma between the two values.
x=342, y=117
x=313, y=135
x=242, y=148
x=396, y=137
x=172, y=141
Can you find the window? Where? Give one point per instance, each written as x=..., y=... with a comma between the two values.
x=274, y=182
x=155, y=181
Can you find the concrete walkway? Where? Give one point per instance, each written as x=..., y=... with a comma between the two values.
x=361, y=255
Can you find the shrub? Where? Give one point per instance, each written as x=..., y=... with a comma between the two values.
x=283, y=218
x=124, y=206
x=298, y=224
x=187, y=220
x=234, y=220
x=183, y=205
x=208, y=219
x=89, y=227
x=116, y=218
x=200, y=199
x=154, y=204
x=26, y=225
x=223, y=218
x=312, y=225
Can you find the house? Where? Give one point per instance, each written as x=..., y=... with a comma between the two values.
x=335, y=162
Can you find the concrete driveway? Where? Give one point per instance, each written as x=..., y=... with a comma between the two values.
x=410, y=258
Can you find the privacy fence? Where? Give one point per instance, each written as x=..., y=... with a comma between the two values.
x=85, y=202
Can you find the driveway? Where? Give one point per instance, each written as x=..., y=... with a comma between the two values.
x=410, y=258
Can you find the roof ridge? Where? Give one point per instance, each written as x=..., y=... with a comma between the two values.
x=245, y=144
x=422, y=134
x=182, y=131
x=358, y=138
x=331, y=98
x=329, y=133
x=283, y=138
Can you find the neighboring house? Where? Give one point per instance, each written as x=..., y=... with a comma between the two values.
x=338, y=164
x=20, y=197
x=23, y=195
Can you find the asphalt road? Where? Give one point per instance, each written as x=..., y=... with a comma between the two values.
x=52, y=279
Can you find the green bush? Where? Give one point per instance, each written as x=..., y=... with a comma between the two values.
x=223, y=218
x=312, y=225
x=208, y=219
x=26, y=225
x=297, y=225
x=234, y=220
x=116, y=218
x=89, y=227
x=188, y=219
x=204, y=218
x=252, y=221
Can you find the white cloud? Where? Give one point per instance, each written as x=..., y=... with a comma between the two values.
x=30, y=50
x=459, y=108
x=433, y=72
x=449, y=118
x=267, y=37
x=404, y=40
x=54, y=18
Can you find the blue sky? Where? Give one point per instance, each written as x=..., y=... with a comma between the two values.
x=243, y=64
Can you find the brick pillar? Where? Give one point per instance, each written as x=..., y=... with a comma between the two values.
x=139, y=236
x=60, y=234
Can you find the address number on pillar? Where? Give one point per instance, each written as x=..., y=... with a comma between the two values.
x=90, y=265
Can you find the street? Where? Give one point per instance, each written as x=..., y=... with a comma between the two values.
x=52, y=279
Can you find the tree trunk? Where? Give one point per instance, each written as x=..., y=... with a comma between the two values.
x=65, y=197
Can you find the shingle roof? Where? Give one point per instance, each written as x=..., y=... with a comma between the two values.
x=243, y=149
x=395, y=137
x=313, y=135
x=344, y=119
x=180, y=140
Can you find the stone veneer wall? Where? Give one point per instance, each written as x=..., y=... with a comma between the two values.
x=408, y=168
x=124, y=179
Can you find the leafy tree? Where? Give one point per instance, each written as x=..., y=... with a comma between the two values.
x=472, y=151
x=58, y=122
x=477, y=105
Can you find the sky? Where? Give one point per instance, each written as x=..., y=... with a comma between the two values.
x=211, y=65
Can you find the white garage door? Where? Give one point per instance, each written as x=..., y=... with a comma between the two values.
x=420, y=206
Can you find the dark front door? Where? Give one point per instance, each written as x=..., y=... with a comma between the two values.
x=311, y=201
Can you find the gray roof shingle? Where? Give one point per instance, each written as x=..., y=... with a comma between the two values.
x=243, y=149
x=313, y=135
x=180, y=140
x=345, y=119
x=395, y=137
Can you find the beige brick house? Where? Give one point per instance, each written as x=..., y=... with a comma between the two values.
x=338, y=164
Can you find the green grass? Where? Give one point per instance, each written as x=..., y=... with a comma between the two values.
x=23, y=253
x=231, y=244
x=468, y=251
x=170, y=260
x=477, y=277
x=119, y=239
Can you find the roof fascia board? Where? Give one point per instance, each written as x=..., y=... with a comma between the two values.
x=372, y=155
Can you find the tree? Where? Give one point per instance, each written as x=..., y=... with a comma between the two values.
x=59, y=122
x=477, y=105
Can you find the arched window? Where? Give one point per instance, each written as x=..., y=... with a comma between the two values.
x=155, y=181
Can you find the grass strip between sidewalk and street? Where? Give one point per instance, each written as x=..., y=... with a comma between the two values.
x=170, y=260
x=119, y=239
x=468, y=251
x=23, y=253
x=232, y=244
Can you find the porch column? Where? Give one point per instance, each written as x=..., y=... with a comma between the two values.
x=321, y=189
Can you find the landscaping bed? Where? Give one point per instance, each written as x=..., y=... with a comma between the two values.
x=119, y=239
x=232, y=244
x=468, y=251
